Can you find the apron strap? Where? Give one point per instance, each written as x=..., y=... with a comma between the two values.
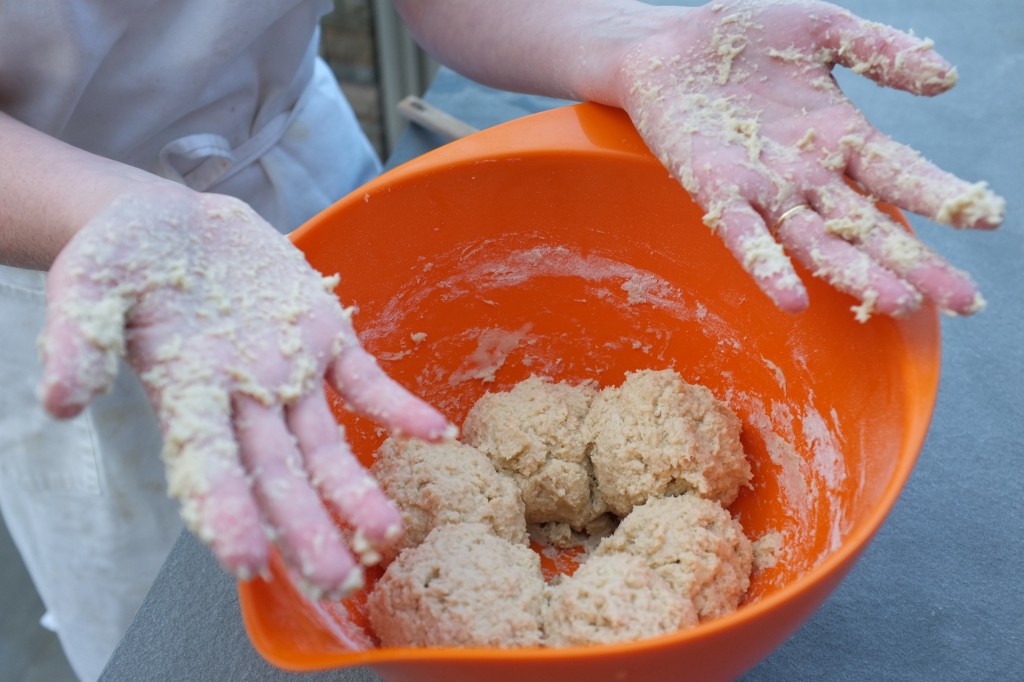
x=217, y=159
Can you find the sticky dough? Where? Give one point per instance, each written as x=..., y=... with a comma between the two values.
x=434, y=484
x=660, y=453
x=694, y=544
x=462, y=587
x=657, y=435
x=613, y=598
x=534, y=434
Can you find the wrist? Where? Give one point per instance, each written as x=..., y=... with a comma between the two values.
x=605, y=74
x=49, y=190
x=96, y=195
x=110, y=182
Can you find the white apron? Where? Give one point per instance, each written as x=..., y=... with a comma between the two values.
x=225, y=96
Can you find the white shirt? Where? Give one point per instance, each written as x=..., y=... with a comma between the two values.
x=159, y=83
x=225, y=95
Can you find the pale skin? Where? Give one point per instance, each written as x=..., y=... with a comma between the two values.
x=235, y=377
x=659, y=63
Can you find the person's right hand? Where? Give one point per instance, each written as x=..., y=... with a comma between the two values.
x=232, y=333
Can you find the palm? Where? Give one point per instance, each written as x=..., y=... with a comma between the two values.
x=232, y=333
x=752, y=123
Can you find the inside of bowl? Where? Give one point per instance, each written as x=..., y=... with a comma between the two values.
x=584, y=267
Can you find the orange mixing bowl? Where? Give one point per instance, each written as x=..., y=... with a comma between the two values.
x=557, y=244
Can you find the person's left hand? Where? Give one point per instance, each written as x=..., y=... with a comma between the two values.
x=737, y=99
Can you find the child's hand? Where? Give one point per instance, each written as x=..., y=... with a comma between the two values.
x=232, y=333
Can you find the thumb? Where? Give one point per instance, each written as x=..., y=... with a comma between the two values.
x=82, y=340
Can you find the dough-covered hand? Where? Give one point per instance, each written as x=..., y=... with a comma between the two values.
x=738, y=100
x=232, y=333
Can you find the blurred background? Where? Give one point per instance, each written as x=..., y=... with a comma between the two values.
x=377, y=63
x=365, y=44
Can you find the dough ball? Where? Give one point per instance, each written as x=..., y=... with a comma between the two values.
x=439, y=483
x=462, y=587
x=533, y=432
x=656, y=435
x=613, y=598
x=694, y=544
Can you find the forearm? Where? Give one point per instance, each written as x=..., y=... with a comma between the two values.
x=49, y=189
x=571, y=49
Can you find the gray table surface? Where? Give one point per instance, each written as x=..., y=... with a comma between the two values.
x=938, y=595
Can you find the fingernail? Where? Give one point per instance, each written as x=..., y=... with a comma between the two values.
x=448, y=433
x=354, y=582
x=392, y=532
x=368, y=556
x=977, y=305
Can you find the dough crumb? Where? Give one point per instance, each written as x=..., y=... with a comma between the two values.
x=563, y=536
x=976, y=205
x=766, y=550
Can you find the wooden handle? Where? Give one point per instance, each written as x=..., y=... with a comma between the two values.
x=433, y=119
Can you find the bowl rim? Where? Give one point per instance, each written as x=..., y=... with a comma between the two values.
x=569, y=129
